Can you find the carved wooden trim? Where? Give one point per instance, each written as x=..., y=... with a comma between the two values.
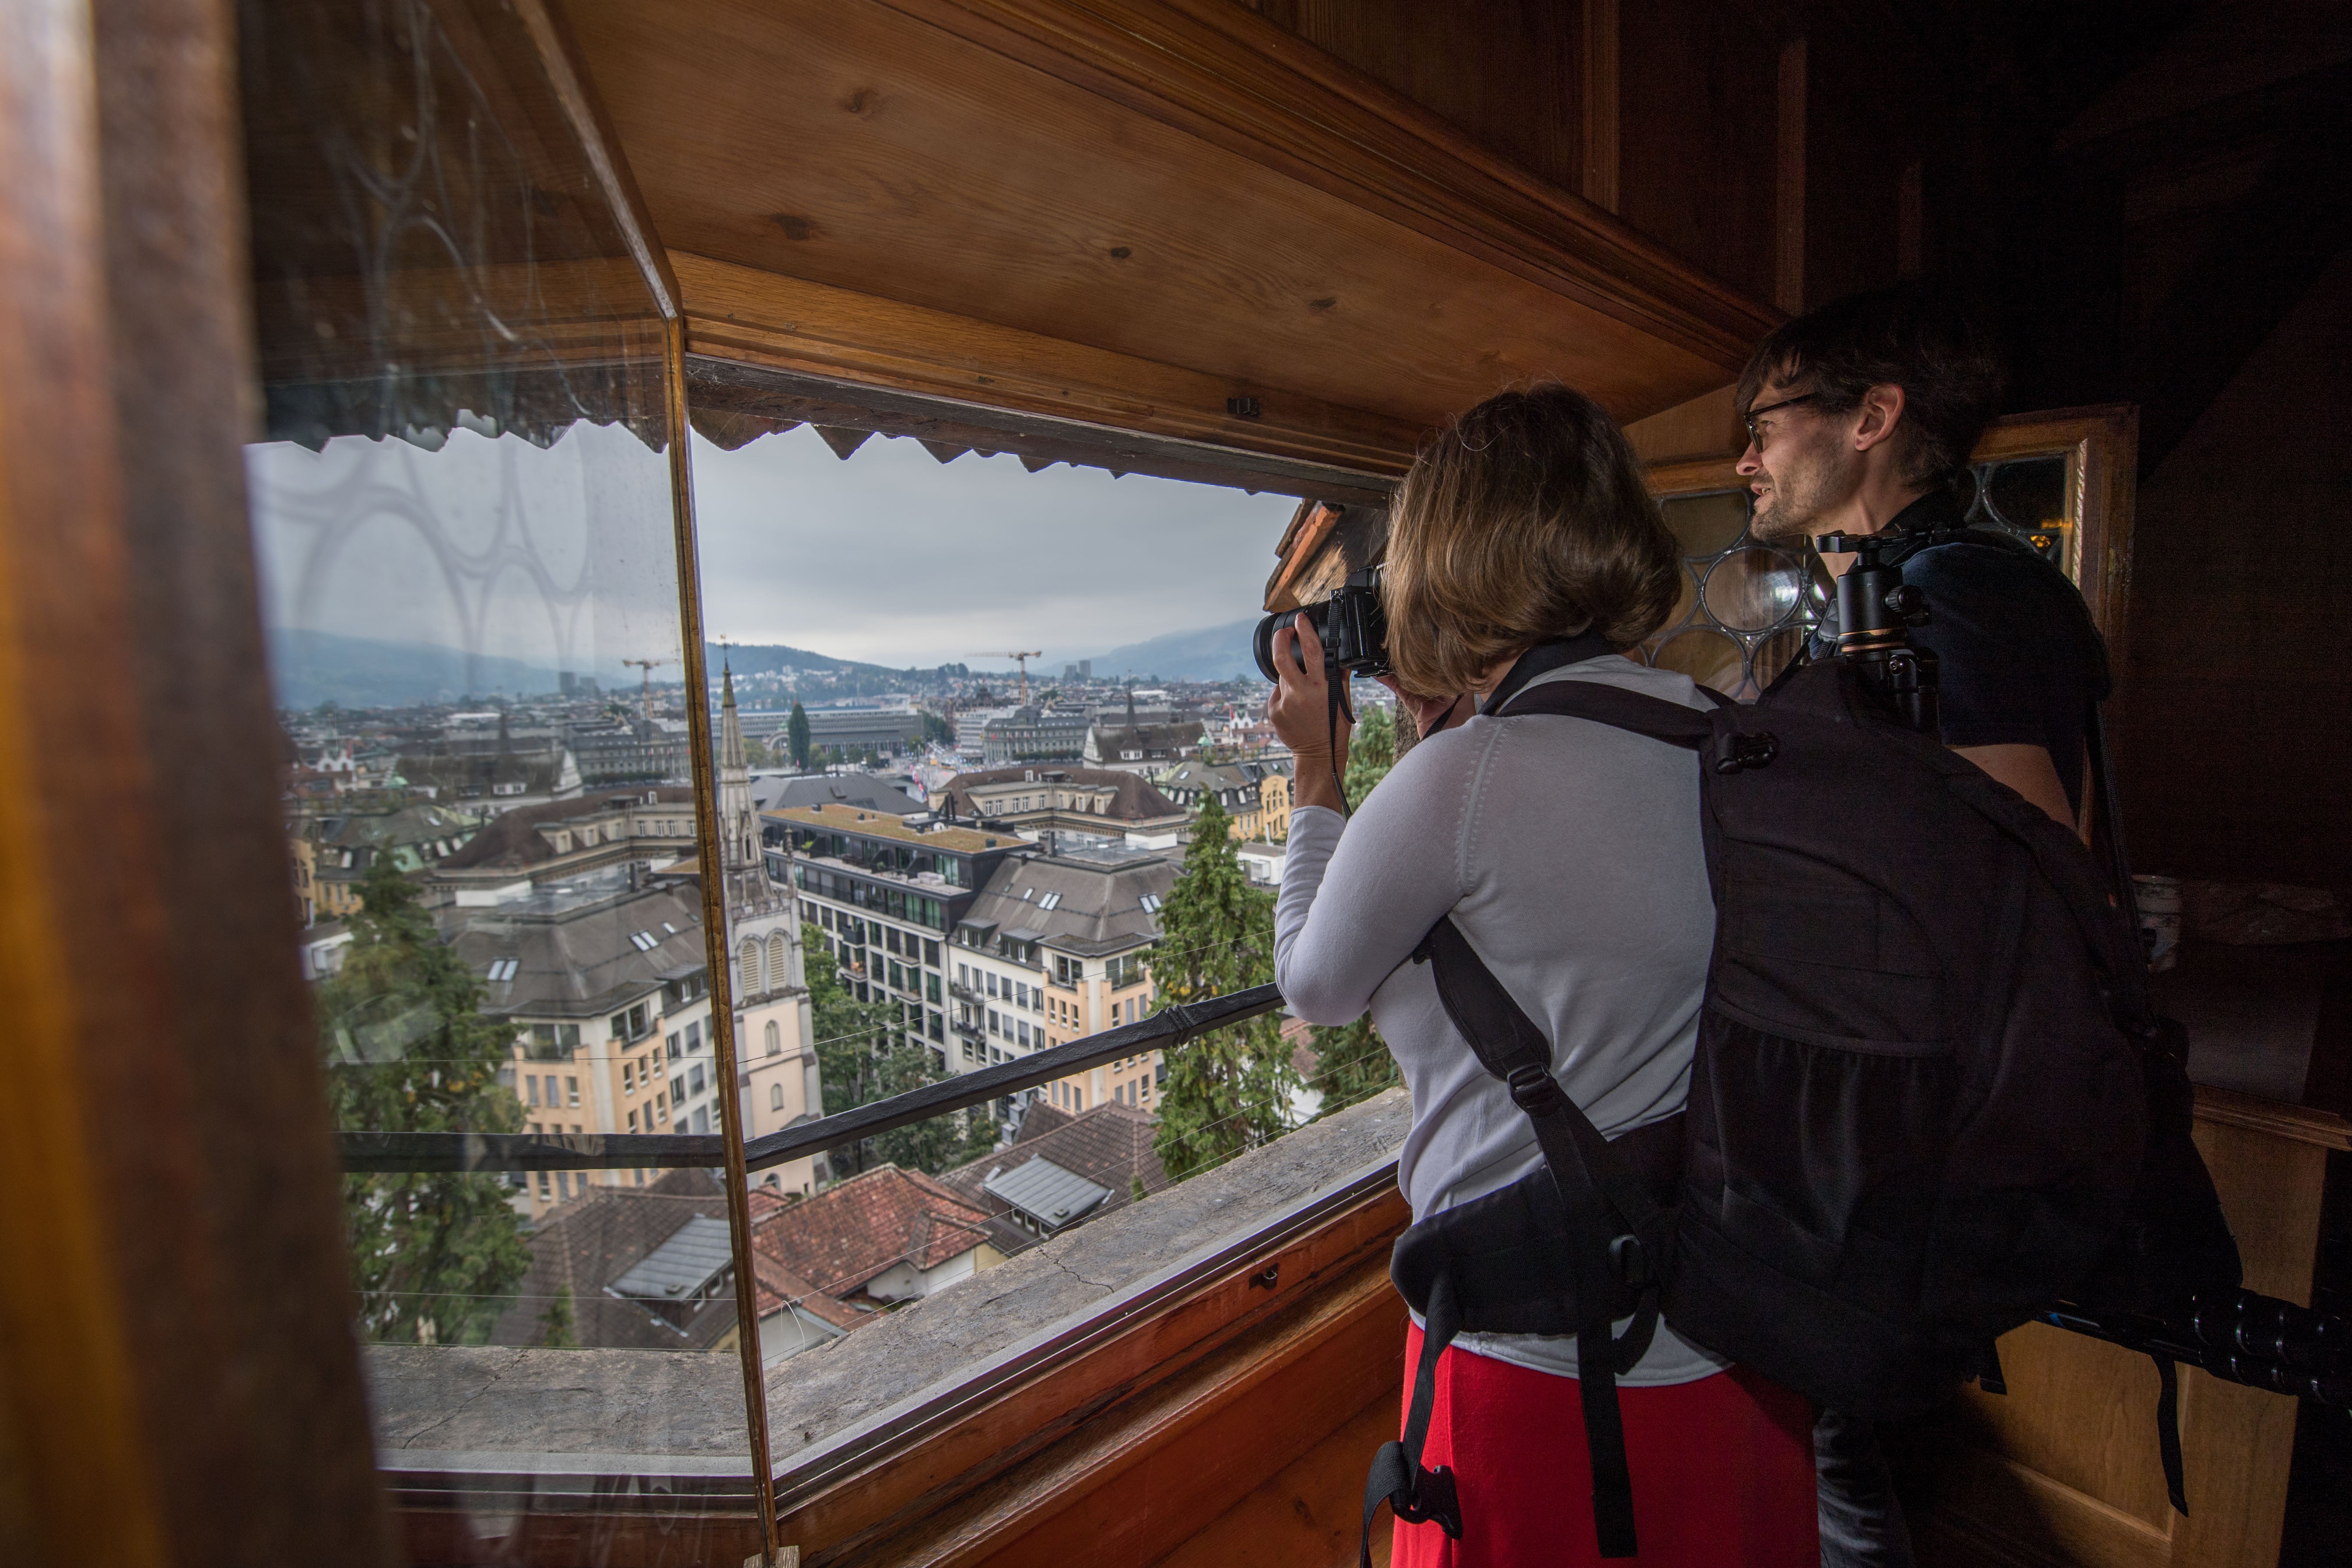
x=761, y=318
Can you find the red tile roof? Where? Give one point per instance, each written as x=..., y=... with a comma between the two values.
x=843, y=1237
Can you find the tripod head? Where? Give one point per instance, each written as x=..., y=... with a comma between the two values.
x=1876, y=610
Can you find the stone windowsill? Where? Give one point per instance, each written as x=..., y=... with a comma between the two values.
x=513, y=1410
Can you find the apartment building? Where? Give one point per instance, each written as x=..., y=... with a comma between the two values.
x=1232, y=786
x=331, y=853
x=886, y=895
x=653, y=827
x=1053, y=948
x=1273, y=794
x=603, y=978
x=1033, y=734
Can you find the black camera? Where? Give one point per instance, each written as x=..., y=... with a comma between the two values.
x=1353, y=624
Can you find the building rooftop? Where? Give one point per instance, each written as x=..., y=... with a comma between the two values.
x=1045, y=1192
x=846, y=1236
x=581, y=947
x=837, y=818
x=512, y=840
x=596, y=1242
x=1132, y=798
x=696, y=1253
x=862, y=792
x=1086, y=904
x=1108, y=1147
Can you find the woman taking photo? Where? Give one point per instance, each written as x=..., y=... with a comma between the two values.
x=1524, y=549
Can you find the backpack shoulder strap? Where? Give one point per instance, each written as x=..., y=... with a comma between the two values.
x=1618, y=1234
x=1689, y=728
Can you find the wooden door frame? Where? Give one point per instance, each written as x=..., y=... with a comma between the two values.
x=181, y=1382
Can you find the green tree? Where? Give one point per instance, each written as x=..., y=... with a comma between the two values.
x=796, y=735
x=1371, y=753
x=863, y=1054
x=437, y=1254
x=555, y=1324
x=1352, y=1064
x=1229, y=1091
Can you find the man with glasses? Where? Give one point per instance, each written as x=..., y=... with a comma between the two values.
x=1861, y=417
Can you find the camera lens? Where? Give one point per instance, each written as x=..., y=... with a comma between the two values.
x=1263, y=644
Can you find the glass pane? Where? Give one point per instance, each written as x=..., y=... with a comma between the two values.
x=1706, y=524
x=1754, y=589
x=1744, y=606
x=2027, y=497
x=957, y=853
x=462, y=515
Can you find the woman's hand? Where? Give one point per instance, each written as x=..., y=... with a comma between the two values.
x=1301, y=714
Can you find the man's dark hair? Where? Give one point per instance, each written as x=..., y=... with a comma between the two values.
x=1916, y=339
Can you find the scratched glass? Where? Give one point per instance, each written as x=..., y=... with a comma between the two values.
x=462, y=513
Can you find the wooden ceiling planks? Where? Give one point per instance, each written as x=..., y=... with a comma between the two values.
x=1069, y=195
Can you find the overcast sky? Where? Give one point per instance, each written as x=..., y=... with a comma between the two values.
x=561, y=558
x=895, y=558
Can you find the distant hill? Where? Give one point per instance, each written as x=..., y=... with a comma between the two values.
x=1218, y=653
x=310, y=667
x=767, y=658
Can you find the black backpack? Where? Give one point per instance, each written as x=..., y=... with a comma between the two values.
x=1930, y=1097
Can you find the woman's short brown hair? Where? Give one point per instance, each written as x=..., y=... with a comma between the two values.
x=1524, y=519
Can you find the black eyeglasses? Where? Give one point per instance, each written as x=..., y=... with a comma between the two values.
x=1750, y=417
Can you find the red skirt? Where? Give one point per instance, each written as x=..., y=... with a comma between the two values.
x=1723, y=1470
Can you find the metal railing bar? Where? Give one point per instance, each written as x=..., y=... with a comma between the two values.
x=372, y=1153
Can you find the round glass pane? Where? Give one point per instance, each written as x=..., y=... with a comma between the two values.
x=1753, y=590
x=1707, y=523
x=1685, y=601
x=1708, y=658
x=2028, y=493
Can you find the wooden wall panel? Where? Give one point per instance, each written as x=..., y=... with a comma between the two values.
x=1509, y=72
x=1698, y=129
x=2232, y=755
x=2065, y=1468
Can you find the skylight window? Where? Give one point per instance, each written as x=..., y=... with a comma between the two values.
x=1049, y=900
x=643, y=941
x=1151, y=903
x=503, y=969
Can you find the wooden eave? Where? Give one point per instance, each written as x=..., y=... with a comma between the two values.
x=1127, y=212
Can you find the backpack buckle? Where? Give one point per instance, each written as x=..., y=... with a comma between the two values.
x=1534, y=1091
x=1741, y=752
x=1631, y=1260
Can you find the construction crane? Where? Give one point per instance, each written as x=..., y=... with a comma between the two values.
x=648, y=666
x=1023, y=661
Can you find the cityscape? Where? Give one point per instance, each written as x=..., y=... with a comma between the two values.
x=924, y=871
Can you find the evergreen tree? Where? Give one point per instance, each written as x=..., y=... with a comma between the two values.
x=796, y=735
x=555, y=1324
x=1352, y=1064
x=1229, y=1091
x=437, y=1254
x=1371, y=753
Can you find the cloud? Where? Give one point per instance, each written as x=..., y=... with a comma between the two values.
x=897, y=559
